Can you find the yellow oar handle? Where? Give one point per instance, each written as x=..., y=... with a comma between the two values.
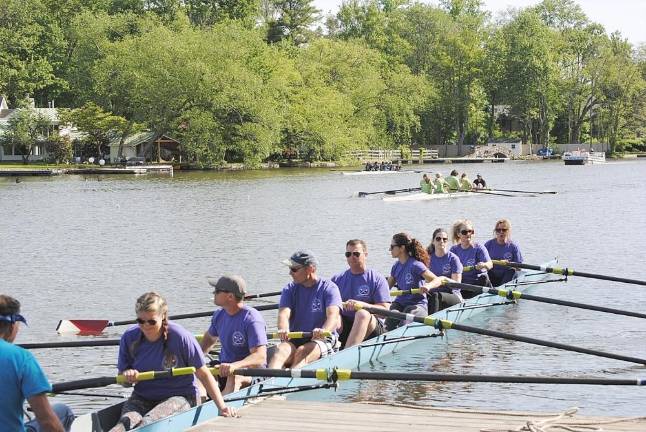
x=151, y=375
x=395, y=293
x=297, y=335
x=507, y=294
x=500, y=262
x=468, y=268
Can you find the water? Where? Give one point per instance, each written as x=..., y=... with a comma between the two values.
x=77, y=247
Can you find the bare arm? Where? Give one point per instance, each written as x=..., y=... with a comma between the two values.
x=44, y=414
x=432, y=281
x=207, y=342
x=331, y=321
x=213, y=391
x=283, y=323
x=391, y=281
x=256, y=358
x=457, y=277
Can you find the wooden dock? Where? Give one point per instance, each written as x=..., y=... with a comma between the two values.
x=275, y=415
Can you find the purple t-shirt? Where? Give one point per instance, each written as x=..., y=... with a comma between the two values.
x=182, y=350
x=409, y=276
x=308, y=305
x=446, y=266
x=509, y=252
x=369, y=286
x=238, y=333
x=469, y=257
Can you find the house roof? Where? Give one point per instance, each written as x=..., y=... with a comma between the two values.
x=137, y=139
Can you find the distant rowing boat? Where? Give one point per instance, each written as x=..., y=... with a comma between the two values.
x=354, y=173
x=350, y=358
x=423, y=196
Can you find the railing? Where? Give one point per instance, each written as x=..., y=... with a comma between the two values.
x=391, y=155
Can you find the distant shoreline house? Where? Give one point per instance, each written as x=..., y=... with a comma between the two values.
x=9, y=152
x=148, y=146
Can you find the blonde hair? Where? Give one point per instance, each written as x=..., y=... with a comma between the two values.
x=153, y=302
x=457, y=227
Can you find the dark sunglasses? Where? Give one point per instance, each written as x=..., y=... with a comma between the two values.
x=442, y=239
x=355, y=253
x=500, y=230
x=218, y=291
x=150, y=321
x=465, y=232
x=295, y=269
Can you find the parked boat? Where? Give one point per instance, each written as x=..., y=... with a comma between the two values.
x=582, y=157
x=351, y=358
x=423, y=196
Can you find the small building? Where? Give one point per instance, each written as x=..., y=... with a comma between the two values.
x=502, y=148
x=148, y=146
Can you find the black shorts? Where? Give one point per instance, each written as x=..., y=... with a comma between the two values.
x=347, y=326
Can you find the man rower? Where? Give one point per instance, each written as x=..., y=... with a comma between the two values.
x=479, y=182
x=22, y=378
x=453, y=182
x=425, y=184
x=309, y=304
x=241, y=330
x=362, y=286
x=440, y=184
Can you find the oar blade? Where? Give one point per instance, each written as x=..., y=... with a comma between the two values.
x=82, y=327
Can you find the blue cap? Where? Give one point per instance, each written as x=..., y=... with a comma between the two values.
x=301, y=258
x=13, y=318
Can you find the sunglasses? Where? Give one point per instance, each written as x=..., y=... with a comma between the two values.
x=466, y=231
x=442, y=239
x=150, y=321
x=295, y=269
x=501, y=230
x=355, y=253
x=392, y=246
x=218, y=291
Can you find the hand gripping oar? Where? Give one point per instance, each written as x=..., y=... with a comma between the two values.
x=93, y=327
x=446, y=324
x=115, y=342
x=389, y=192
x=347, y=374
x=120, y=379
x=567, y=272
x=515, y=295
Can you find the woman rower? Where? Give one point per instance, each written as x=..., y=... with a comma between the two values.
x=472, y=255
x=443, y=263
x=465, y=183
x=501, y=247
x=158, y=344
x=410, y=272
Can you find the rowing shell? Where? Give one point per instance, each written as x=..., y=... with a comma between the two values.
x=423, y=196
x=349, y=358
x=355, y=173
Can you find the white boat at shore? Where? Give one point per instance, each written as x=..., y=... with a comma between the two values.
x=423, y=196
x=582, y=157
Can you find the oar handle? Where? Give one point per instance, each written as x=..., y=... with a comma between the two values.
x=297, y=335
x=395, y=293
x=119, y=379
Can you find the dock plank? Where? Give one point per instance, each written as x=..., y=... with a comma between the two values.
x=275, y=415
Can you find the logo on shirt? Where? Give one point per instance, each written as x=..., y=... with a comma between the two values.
x=170, y=360
x=364, y=290
x=507, y=256
x=409, y=278
x=471, y=262
x=446, y=269
x=238, y=338
x=316, y=305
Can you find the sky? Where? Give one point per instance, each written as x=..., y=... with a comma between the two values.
x=627, y=16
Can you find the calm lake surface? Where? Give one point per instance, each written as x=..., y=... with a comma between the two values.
x=87, y=247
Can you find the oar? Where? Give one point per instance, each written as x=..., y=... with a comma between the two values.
x=515, y=295
x=486, y=192
x=567, y=272
x=115, y=342
x=446, y=324
x=262, y=295
x=120, y=379
x=347, y=374
x=93, y=327
x=521, y=191
x=388, y=192
x=395, y=293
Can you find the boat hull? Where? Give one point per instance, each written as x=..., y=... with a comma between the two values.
x=351, y=358
x=422, y=196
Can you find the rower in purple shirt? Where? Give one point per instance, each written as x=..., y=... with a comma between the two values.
x=472, y=255
x=308, y=304
x=241, y=330
x=410, y=272
x=154, y=344
x=501, y=247
x=363, y=286
x=447, y=264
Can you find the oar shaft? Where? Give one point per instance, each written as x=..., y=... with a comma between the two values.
x=194, y=315
x=346, y=374
x=520, y=295
x=569, y=272
x=446, y=324
x=262, y=295
x=72, y=344
x=120, y=379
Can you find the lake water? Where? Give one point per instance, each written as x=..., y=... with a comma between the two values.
x=87, y=247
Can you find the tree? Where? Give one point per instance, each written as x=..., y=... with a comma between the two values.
x=59, y=148
x=292, y=20
x=24, y=130
x=209, y=12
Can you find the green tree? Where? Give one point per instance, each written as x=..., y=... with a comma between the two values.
x=292, y=19
x=209, y=12
x=24, y=130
